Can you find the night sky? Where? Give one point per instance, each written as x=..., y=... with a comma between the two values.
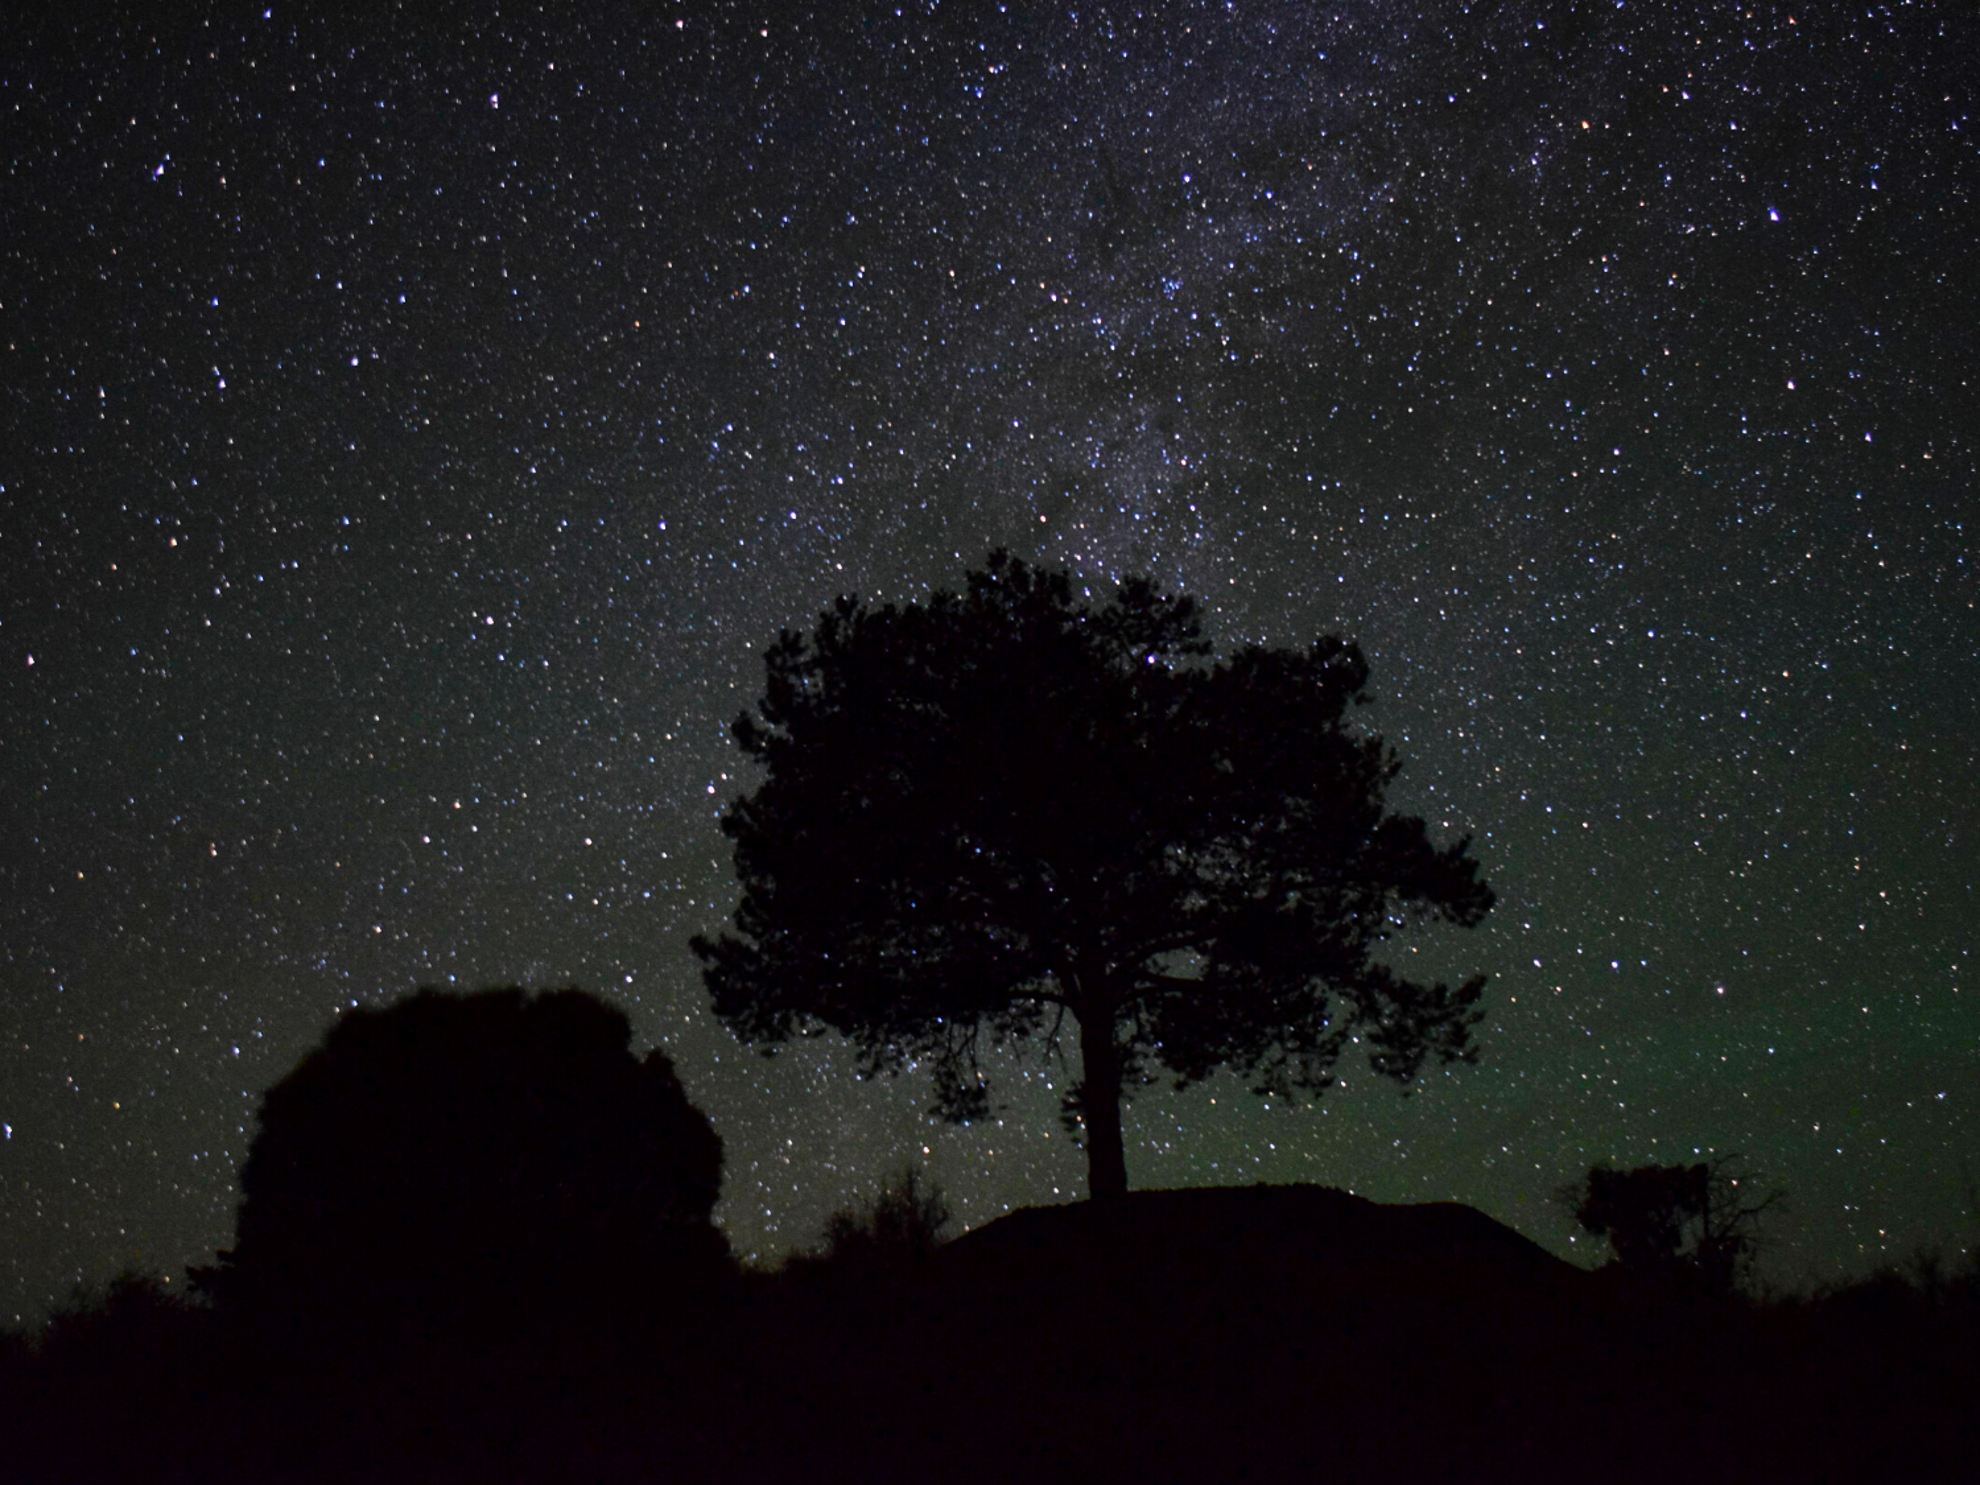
x=413, y=427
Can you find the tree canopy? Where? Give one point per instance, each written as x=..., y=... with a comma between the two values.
x=455, y=1161
x=984, y=813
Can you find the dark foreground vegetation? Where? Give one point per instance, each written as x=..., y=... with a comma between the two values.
x=1266, y=1333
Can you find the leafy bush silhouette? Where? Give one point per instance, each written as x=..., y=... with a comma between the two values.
x=1690, y=1222
x=112, y=1379
x=465, y=1167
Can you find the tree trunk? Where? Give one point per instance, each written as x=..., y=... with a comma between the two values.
x=1100, y=1102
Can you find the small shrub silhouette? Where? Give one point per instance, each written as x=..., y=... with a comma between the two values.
x=902, y=1227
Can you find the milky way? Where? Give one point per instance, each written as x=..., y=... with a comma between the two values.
x=413, y=432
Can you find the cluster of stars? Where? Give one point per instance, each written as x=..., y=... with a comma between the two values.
x=413, y=441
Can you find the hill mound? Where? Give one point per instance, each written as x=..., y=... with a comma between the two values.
x=1237, y=1266
x=1280, y=1231
x=1152, y=1334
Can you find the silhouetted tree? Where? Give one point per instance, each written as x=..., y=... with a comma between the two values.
x=452, y=1165
x=994, y=810
x=1674, y=1219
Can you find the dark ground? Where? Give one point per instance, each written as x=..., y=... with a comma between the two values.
x=1265, y=1333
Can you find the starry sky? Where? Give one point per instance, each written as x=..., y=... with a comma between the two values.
x=414, y=424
